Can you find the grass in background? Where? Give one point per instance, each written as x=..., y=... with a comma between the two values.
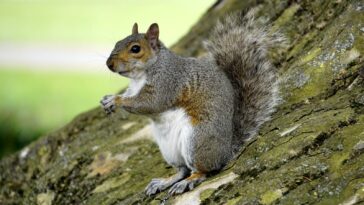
x=86, y=21
x=34, y=102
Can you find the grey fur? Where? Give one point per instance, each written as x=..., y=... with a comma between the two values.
x=237, y=82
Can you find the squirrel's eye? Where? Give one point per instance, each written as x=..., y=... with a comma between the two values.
x=135, y=49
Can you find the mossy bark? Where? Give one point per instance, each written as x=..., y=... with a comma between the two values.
x=309, y=153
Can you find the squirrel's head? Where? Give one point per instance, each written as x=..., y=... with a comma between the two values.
x=132, y=55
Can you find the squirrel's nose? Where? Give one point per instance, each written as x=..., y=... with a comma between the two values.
x=110, y=64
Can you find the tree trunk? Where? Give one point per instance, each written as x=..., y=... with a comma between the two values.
x=309, y=153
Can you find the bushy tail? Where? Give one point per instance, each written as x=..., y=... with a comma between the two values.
x=239, y=47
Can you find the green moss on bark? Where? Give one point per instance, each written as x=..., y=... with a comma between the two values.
x=310, y=153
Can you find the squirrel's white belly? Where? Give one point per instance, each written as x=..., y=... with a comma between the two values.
x=173, y=132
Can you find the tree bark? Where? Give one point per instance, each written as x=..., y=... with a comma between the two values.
x=309, y=153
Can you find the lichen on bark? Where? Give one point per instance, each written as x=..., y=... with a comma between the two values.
x=311, y=152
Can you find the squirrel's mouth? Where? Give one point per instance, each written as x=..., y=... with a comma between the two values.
x=123, y=72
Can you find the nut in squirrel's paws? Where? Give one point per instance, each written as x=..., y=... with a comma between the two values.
x=108, y=103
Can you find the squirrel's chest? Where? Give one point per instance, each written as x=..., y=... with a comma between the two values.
x=135, y=86
x=173, y=133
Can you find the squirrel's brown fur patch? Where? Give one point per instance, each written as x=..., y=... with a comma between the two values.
x=196, y=175
x=193, y=105
x=118, y=100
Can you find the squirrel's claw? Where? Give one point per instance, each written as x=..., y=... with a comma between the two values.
x=185, y=185
x=181, y=187
x=156, y=185
x=160, y=184
x=108, y=104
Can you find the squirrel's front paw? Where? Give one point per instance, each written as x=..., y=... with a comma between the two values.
x=108, y=103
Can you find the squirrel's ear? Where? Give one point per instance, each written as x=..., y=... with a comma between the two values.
x=152, y=36
x=135, y=29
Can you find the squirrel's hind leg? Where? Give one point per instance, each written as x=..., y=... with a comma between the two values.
x=160, y=184
x=187, y=184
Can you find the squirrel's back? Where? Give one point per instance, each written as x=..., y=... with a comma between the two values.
x=239, y=47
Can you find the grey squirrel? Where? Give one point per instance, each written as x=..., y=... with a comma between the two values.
x=202, y=109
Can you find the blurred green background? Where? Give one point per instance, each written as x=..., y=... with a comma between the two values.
x=53, y=53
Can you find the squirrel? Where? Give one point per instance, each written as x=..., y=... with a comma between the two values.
x=202, y=110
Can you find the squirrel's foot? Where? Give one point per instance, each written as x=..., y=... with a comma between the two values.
x=160, y=184
x=187, y=184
